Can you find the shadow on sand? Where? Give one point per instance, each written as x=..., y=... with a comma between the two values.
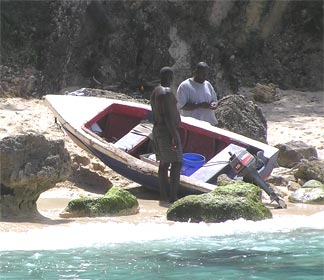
x=35, y=218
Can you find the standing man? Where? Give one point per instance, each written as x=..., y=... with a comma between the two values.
x=197, y=97
x=166, y=138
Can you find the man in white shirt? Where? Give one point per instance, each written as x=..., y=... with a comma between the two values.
x=197, y=97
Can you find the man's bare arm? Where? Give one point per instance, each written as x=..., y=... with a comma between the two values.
x=205, y=105
x=170, y=112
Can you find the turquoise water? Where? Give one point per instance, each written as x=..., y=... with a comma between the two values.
x=290, y=247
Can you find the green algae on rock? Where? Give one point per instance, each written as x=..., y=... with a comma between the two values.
x=116, y=201
x=230, y=202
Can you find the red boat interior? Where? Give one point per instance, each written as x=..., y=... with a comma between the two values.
x=118, y=120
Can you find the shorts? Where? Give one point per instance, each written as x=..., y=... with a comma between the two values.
x=163, y=148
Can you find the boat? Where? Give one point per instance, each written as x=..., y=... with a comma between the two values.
x=119, y=133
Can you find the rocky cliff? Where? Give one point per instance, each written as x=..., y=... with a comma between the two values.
x=49, y=46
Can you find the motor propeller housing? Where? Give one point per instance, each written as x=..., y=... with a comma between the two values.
x=244, y=165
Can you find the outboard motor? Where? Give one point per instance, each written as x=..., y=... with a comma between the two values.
x=244, y=165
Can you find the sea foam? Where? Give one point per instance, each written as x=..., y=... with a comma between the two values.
x=92, y=234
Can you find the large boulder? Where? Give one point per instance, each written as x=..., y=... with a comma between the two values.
x=230, y=202
x=238, y=115
x=116, y=201
x=30, y=164
x=292, y=152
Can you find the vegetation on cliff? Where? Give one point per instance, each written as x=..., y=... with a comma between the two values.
x=122, y=45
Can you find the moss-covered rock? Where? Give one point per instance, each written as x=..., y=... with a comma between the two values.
x=116, y=201
x=231, y=202
x=239, y=189
x=313, y=184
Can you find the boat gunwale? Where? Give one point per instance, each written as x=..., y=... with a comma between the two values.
x=107, y=148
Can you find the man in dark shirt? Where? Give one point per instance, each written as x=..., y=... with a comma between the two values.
x=166, y=138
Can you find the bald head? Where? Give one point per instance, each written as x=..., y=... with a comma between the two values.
x=201, y=72
x=202, y=65
x=166, y=71
x=166, y=75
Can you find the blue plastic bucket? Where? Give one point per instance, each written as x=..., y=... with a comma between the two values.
x=191, y=163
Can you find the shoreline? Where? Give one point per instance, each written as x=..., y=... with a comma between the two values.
x=150, y=212
x=296, y=116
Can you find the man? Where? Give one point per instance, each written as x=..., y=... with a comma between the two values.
x=197, y=97
x=166, y=138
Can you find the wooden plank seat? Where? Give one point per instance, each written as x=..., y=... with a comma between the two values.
x=136, y=137
x=216, y=165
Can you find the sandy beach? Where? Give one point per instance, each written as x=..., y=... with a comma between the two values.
x=296, y=116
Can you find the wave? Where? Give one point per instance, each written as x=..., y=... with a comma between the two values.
x=92, y=234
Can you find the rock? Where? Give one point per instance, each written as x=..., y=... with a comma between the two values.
x=238, y=115
x=310, y=169
x=293, y=186
x=30, y=165
x=286, y=173
x=223, y=180
x=19, y=81
x=231, y=202
x=90, y=180
x=312, y=192
x=301, y=181
x=266, y=93
x=116, y=201
x=308, y=196
x=277, y=180
x=80, y=160
x=293, y=152
x=98, y=166
x=313, y=184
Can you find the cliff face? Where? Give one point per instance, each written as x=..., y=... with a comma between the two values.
x=122, y=45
